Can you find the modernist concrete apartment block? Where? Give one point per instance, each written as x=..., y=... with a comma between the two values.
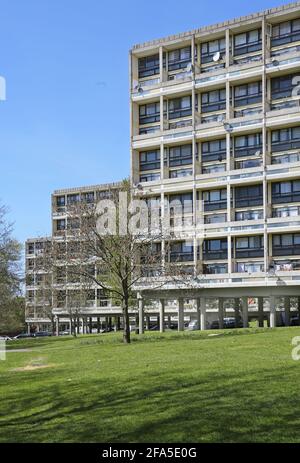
x=215, y=120
x=52, y=294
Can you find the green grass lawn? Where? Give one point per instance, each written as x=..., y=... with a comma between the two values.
x=239, y=386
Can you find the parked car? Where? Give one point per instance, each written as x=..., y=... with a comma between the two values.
x=228, y=322
x=64, y=333
x=294, y=320
x=24, y=336
x=193, y=325
x=41, y=334
x=5, y=338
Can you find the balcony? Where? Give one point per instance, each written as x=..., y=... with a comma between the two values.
x=181, y=256
x=282, y=198
x=215, y=255
x=215, y=205
x=249, y=202
x=291, y=250
x=249, y=252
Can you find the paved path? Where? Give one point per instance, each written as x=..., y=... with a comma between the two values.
x=16, y=350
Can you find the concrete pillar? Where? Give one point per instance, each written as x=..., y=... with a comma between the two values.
x=245, y=312
x=57, y=326
x=272, y=312
x=260, y=301
x=221, y=313
x=202, y=314
x=141, y=315
x=169, y=322
x=162, y=315
x=237, y=311
x=147, y=322
x=98, y=325
x=180, y=315
x=28, y=328
x=198, y=307
x=287, y=310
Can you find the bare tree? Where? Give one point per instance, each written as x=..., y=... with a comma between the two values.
x=118, y=246
x=11, y=304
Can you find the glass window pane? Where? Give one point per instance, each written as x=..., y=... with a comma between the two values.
x=253, y=36
x=240, y=39
x=287, y=240
x=285, y=28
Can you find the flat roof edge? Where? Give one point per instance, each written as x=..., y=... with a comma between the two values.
x=213, y=27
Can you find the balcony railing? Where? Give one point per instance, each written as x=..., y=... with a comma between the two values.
x=215, y=255
x=292, y=250
x=249, y=252
x=215, y=205
x=181, y=257
x=249, y=202
x=282, y=198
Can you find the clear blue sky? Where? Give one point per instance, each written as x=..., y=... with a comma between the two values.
x=66, y=119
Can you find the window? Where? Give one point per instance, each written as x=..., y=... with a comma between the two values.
x=282, y=87
x=179, y=59
x=214, y=150
x=213, y=168
x=249, y=242
x=73, y=224
x=213, y=101
x=180, y=107
x=248, y=163
x=215, y=249
x=285, y=192
x=181, y=203
x=149, y=177
x=215, y=199
x=249, y=215
x=248, y=42
x=60, y=224
x=149, y=113
x=286, y=158
x=30, y=248
x=150, y=160
x=215, y=218
x=285, y=139
x=213, y=269
x=73, y=199
x=288, y=244
x=148, y=130
x=286, y=32
x=291, y=211
x=246, y=267
x=60, y=201
x=181, y=173
x=247, y=94
x=180, y=155
x=246, y=196
x=148, y=66
x=249, y=246
x=181, y=252
x=209, y=49
x=88, y=197
x=248, y=145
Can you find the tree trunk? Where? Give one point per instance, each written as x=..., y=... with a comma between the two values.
x=126, y=330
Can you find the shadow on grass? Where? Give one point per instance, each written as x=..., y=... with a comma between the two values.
x=172, y=406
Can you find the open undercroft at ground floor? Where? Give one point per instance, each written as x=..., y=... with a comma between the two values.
x=200, y=313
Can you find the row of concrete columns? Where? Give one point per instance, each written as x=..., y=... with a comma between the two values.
x=87, y=324
x=239, y=303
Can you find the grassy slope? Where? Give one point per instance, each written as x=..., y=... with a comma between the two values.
x=178, y=387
